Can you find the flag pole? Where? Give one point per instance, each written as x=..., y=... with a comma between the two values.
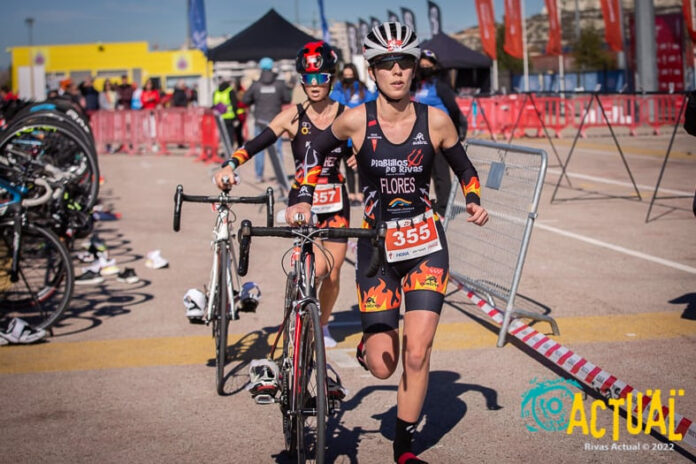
x=561, y=64
x=525, y=59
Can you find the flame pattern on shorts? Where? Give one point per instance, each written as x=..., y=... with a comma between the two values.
x=379, y=298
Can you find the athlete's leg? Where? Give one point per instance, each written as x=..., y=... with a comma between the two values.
x=419, y=331
x=330, y=286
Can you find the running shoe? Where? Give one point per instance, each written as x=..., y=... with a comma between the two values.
x=329, y=341
x=128, y=276
x=89, y=278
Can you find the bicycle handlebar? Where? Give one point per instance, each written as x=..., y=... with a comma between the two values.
x=43, y=198
x=246, y=231
x=180, y=197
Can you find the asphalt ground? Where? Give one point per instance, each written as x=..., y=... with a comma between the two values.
x=126, y=378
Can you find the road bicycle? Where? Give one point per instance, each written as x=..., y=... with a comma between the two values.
x=36, y=272
x=304, y=400
x=224, y=286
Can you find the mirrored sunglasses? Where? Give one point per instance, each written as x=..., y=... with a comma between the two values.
x=316, y=78
x=404, y=61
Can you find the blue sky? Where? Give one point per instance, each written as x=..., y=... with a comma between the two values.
x=163, y=22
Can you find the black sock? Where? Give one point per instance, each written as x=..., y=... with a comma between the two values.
x=403, y=437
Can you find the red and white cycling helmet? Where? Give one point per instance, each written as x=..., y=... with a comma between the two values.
x=390, y=38
x=316, y=57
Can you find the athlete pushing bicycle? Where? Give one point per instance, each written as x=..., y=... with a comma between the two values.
x=396, y=141
x=316, y=63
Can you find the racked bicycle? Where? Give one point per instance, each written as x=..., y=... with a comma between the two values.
x=36, y=271
x=224, y=287
x=305, y=401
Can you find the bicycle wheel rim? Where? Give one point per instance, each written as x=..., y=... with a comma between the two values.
x=46, y=276
x=223, y=321
x=311, y=395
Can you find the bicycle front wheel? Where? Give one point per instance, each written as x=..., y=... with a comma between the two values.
x=44, y=284
x=221, y=320
x=311, y=395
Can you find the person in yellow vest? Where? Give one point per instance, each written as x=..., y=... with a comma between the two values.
x=225, y=103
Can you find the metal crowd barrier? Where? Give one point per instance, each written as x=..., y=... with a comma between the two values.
x=490, y=259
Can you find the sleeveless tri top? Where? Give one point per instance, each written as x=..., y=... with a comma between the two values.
x=302, y=150
x=395, y=177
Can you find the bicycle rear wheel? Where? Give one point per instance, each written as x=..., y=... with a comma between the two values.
x=221, y=320
x=311, y=395
x=45, y=279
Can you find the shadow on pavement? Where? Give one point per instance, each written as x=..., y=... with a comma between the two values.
x=436, y=421
x=92, y=304
x=689, y=299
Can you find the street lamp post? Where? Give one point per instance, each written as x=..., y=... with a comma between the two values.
x=30, y=26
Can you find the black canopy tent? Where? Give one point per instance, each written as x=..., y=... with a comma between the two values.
x=272, y=36
x=473, y=68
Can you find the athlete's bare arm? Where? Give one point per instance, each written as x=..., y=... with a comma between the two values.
x=444, y=137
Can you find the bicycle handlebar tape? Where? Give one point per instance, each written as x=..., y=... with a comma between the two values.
x=378, y=255
x=244, y=245
x=269, y=207
x=177, y=207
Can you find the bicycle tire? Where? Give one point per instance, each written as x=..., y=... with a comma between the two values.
x=221, y=321
x=86, y=189
x=311, y=394
x=289, y=420
x=46, y=278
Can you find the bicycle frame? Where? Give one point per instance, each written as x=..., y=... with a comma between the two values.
x=221, y=237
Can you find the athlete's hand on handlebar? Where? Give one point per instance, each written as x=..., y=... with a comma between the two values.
x=352, y=163
x=478, y=215
x=225, y=174
x=301, y=211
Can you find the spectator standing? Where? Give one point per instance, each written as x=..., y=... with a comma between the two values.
x=90, y=93
x=108, y=98
x=193, y=95
x=267, y=95
x=180, y=97
x=225, y=102
x=242, y=109
x=125, y=94
x=351, y=92
x=136, y=102
x=6, y=94
x=431, y=90
x=150, y=98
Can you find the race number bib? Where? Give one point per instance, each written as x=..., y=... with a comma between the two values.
x=412, y=238
x=328, y=198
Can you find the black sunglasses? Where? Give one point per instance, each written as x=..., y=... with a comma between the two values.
x=387, y=64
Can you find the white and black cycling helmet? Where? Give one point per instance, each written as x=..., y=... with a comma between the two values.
x=390, y=38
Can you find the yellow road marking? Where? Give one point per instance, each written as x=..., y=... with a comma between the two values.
x=172, y=351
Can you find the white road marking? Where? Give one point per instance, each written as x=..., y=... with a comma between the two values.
x=604, y=180
x=342, y=358
x=620, y=249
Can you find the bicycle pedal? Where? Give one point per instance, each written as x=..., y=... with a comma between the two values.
x=264, y=399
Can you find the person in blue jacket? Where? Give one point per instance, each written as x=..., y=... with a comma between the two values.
x=351, y=92
x=431, y=90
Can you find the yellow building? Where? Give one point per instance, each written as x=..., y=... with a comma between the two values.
x=52, y=63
